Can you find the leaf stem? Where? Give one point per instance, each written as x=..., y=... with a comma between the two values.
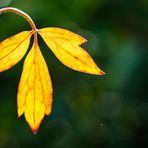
x=24, y=15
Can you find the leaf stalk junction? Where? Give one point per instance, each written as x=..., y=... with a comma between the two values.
x=24, y=15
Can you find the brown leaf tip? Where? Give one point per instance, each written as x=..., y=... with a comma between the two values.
x=101, y=73
x=35, y=129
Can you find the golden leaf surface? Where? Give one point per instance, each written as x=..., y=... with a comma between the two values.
x=13, y=49
x=65, y=45
x=35, y=89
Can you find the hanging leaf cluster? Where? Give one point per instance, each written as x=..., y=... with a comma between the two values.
x=34, y=97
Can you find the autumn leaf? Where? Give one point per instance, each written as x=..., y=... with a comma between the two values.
x=34, y=97
x=13, y=49
x=65, y=45
x=35, y=89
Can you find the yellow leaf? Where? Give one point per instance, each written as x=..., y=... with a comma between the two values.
x=35, y=89
x=65, y=45
x=13, y=49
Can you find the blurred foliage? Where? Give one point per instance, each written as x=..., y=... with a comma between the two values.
x=88, y=111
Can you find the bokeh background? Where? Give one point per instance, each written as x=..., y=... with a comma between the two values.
x=89, y=111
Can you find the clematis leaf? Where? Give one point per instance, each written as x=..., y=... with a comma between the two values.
x=13, y=49
x=35, y=89
x=65, y=45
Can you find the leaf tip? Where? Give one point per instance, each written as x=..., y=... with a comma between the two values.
x=18, y=116
x=19, y=112
x=85, y=41
x=34, y=129
x=101, y=73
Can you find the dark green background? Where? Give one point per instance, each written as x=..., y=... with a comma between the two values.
x=88, y=111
